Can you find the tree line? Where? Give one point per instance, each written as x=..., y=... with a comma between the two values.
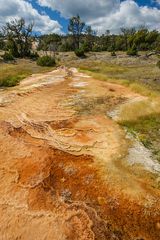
x=17, y=38
x=83, y=37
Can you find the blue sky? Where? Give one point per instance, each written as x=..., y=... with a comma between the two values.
x=52, y=15
x=64, y=22
x=146, y=2
x=56, y=15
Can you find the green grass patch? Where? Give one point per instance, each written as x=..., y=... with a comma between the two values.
x=147, y=129
x=10, y=81
x=46, y=61
x=12, y=73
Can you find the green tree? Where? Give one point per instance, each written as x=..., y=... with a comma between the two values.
x=88, y=39
x=2, y=43
x=140, y=38
x=127, y=33
x=76, y=27
x=67, y=44
x=132, y=51
x=49, y=42
x=19, y=36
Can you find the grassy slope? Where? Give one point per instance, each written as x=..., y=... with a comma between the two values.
x=142, y=79
x=139, y=73
x=12, y=73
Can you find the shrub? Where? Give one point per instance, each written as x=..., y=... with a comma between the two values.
x=34, y=56
x=86, y=47
x=132, y=51
x=96, y=48
x=79, y=52
x=46, y=61
x=8, y=56
x=113, y=54
x=10, y=81
x=158, y=64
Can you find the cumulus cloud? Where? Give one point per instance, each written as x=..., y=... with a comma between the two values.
x=88, y=9
x=107, y=14
x=158, y=1
x=10, y=10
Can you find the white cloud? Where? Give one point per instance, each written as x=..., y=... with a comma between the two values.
x=11, y=9
x=86, y=9
x=158, y=1
x=107, y=14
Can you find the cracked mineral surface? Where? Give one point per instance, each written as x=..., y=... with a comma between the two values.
x=64, y=172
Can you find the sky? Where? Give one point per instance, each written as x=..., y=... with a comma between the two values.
x=52, y=16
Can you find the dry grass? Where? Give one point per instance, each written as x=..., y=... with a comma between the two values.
x=135, y=110
x=144, y=80
x=19, y=70
x=146, y=129
x=139, y=73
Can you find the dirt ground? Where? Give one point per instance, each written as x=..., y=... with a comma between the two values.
x=64, y=173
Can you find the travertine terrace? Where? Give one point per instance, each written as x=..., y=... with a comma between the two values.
x=64, y=173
